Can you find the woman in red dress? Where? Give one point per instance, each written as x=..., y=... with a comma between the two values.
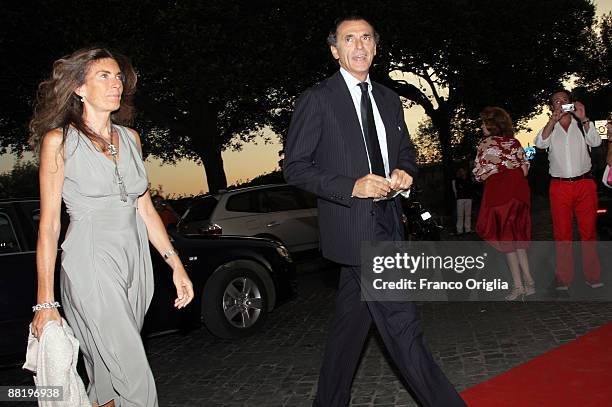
x=504, y=220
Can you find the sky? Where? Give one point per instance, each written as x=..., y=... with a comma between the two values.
x=188, y=178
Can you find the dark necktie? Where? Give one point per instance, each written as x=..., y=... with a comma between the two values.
x=369, y=131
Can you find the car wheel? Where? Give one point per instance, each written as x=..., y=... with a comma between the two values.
x=234, y=302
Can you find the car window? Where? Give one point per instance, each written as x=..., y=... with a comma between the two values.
x=28, y=213
x=284, y=199
x=261, y=202
x=36, y=219
x=8, y=237
x=240, y=203
x=31, y=212
x=250, y=201
x=201, y=209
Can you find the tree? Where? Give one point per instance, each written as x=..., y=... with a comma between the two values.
x=214, y=74
x=462, y=55
x=31, y=38
x=21, y=181
x=474, y=54
x=203, y=84
x=427, y=143
x=595, y=77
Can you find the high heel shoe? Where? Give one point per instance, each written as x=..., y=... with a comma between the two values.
x=517, y=293
x=530, y=289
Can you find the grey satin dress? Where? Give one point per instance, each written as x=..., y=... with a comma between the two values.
x=107, y=276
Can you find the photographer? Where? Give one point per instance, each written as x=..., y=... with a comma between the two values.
x=568, y=136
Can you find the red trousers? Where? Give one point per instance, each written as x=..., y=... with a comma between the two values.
x=566, y=199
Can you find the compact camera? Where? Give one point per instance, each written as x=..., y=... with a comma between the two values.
x=568, y=107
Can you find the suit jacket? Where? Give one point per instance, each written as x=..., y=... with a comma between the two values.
x=325, y=154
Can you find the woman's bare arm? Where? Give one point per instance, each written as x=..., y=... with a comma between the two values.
x=51, y=177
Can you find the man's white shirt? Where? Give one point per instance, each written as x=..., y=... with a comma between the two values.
x=355, y=90
x=567, y=151
x=353, y=86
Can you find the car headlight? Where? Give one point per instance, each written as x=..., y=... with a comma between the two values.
x=283, y=252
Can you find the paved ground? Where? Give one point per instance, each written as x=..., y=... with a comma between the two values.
x=279, y=365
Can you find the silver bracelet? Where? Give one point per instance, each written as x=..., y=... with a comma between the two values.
x=46, y=305
x=169, y=254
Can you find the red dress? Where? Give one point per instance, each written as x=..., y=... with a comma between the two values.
x=504, y=220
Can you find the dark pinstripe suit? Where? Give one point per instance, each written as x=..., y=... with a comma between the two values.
x=325, y=154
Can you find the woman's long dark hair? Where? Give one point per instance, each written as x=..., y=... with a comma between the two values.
x=57, y=106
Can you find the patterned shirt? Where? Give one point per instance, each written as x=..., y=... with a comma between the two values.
x=497, y=154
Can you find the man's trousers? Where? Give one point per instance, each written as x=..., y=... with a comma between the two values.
x=399, y=326
x=464, y=215
x=566, y=199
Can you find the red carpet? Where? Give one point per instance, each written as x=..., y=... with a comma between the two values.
x=577, y=374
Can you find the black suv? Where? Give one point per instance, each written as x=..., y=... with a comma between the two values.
x=237, y=281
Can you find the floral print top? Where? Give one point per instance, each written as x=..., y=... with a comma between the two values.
x=497, y=154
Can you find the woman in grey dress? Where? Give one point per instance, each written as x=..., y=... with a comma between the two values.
x=96, y=167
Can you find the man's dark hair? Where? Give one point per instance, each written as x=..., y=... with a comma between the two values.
x=332, y=38
x=561, y=90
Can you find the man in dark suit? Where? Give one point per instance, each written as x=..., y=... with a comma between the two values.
x=348, y=144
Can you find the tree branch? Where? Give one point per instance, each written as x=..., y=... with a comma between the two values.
x=432, y=85
x=412, y=93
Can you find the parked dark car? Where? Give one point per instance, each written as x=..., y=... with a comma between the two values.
x=604, y=213
x=237, y=281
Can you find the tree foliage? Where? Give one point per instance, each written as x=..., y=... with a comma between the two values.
x=595, y=77
x=454, y=57
x=21, y=181
x=214, y=74
x=31, y=38
x=205, y=69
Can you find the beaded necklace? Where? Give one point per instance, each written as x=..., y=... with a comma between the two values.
x=112, y=149
x=122, y=190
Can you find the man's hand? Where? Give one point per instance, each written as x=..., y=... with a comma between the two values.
x=557, y=114
x=400, y=180
x=580, y=111
x=371, y=186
